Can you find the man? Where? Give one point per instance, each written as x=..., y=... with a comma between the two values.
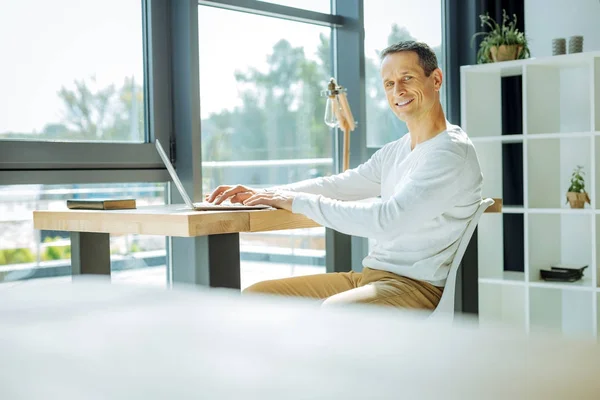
x=430, y=187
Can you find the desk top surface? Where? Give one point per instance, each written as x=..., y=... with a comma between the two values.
x=168, y=220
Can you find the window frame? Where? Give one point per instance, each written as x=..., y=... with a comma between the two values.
x=48, y=162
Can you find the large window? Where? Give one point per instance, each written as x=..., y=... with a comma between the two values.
x=388, y=22
x=72, y=71
x=262, y=123
x=73, y=102
x=27, y=253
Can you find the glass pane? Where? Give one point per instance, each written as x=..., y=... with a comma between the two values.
x=27, y=253
x=262, y=123
x=323, y=6
x=388, y=22
x=73, y=70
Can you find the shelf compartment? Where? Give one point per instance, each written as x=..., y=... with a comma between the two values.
x=569, y=312
x=559, y=239
x=512, y=209
x=512, y=105
x=570, y=211
x=594, y=191
x=596, y=102
x=585, y=284
x=482, y=97
x=550, y=163
x=597, y=249
x=502, y=305
x=499, y=258
x=512, y=174
x=501, y=139
x=506, y=278
x=597, y=317
x=489, y=237
x=558, y=97
x=490, y=157
x=514, y=242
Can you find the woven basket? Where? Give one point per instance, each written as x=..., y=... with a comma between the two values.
x=578, y=200
x=506, y=52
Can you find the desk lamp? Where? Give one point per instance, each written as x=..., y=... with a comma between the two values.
x=338, y=114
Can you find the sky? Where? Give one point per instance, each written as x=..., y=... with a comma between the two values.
x=64, y=40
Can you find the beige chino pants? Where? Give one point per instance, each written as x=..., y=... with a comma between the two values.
x=371, y=286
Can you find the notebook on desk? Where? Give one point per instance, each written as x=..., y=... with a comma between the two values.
x=200, y=206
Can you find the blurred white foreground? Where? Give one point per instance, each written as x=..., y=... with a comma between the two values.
x=93, y=340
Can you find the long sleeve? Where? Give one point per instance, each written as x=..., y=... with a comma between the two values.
x=358, y=183
x=429, y=190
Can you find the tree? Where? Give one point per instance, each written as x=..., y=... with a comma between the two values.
x=128, y=113
x=86, y=110
x=106, y=113
x=278, y=118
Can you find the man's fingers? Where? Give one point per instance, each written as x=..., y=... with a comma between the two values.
x=251, y=199
x=230, y=192
x=241, y=197
x=262, y=199
x=217, y=192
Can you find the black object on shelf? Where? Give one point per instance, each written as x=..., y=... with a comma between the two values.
x=562, y=274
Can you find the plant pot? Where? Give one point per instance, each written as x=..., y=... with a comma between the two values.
x=506, y=52
x=578, y=200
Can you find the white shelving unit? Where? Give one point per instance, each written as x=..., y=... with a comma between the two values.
x=561, y=129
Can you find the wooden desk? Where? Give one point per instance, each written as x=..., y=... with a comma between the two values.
x=90, y=230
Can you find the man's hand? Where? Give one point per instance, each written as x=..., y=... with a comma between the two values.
x=282, y=200
x=235, y=194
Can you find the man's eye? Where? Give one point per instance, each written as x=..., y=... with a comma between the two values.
x=407, y=78
x=389, y=84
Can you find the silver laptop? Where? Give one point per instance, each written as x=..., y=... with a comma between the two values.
x=202, y=206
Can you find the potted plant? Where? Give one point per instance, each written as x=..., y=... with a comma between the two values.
x=576, y=195
x=504, y=42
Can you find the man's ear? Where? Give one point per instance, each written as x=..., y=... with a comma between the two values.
x=438, y=78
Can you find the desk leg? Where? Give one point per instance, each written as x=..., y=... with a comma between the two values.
x=212, y=260
x=90, y=253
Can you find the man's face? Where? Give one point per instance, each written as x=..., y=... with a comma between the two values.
x=409, y=92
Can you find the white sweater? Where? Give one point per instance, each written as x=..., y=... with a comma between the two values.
x=428, y=196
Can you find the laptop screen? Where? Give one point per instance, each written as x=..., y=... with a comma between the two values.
x=173, y=174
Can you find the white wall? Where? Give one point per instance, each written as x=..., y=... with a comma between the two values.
x=549, y=19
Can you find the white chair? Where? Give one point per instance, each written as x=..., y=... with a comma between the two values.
x=445, y=308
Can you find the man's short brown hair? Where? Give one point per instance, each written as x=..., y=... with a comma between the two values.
x=427, y=58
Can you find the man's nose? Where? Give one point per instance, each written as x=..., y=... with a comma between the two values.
x=399, y=90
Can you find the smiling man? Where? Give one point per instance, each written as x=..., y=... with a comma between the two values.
x=429, y=184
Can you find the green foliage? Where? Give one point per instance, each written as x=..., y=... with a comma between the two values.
x=135, y=247
x=52, y=253
x=16, y=256
x=100, y=113
x=499, y=34
x=55, y=252
x=281, y=111
x=577, y=180
x=50, y=239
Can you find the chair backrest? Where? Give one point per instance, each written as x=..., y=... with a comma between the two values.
x=445, y=308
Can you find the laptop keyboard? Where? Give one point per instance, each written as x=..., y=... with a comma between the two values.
x=204, y=205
